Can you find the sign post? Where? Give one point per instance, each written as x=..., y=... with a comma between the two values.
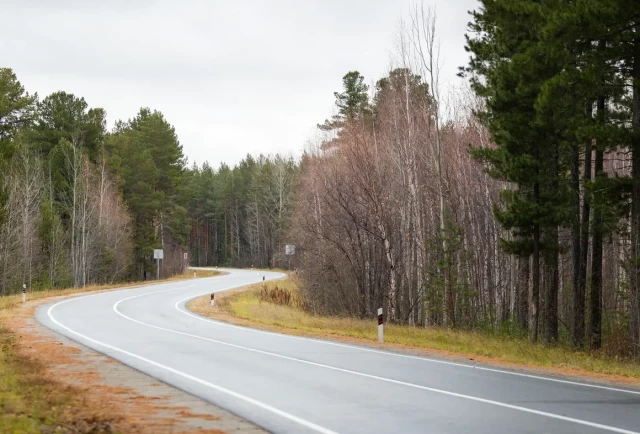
x=380, y=326
x=24, y=292
x=158, y=254
x=289, y=250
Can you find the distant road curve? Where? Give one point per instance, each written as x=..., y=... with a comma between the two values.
x=290, y=384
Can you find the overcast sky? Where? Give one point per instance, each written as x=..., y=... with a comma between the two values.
x=233, y=77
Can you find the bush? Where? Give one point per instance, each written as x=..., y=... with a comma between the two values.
x=281, y=296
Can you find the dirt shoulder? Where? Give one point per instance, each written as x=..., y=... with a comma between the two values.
x=49, y=383
x=243, y=307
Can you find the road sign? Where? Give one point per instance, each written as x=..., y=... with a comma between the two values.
x=185, y=256
x=158, y=254
x=289, y=249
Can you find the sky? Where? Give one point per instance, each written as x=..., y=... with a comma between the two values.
x=233, y=77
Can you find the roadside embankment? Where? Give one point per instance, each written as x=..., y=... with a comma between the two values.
x=51, y=384
x=275, y=306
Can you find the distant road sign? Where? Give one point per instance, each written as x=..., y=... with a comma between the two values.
x=158, y=254
x=289, y=249
x=186, y=255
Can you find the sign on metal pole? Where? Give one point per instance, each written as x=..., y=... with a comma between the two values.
x=158, y=254
x=289, y=250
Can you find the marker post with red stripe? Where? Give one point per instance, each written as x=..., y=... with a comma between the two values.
x=380, y=326
x=212, y=300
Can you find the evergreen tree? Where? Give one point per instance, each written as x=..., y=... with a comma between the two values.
x=16, y=112
x=150, y=165
x=505, y=72
x=62, y=115
x=351, y=103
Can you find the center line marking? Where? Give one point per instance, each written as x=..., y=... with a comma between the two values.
x=375, y=377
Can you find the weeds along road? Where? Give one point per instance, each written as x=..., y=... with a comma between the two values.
x=291, y=384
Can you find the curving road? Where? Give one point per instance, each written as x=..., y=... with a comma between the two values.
x=290, y=384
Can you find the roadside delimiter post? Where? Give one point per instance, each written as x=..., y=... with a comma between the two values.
x=212, y=300
x=380, y=326
x=24, y=292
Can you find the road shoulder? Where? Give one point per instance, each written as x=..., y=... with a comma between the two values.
x=223, y=311
x=99, y=393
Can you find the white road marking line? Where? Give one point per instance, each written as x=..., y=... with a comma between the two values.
x=387, y=353
x=375, y=377
x=237, y=395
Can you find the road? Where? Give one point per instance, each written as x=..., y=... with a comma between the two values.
x=291, y=384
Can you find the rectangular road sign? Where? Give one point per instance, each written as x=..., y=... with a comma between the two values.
x=185, y=256
x=290, y=249
x=158, y=254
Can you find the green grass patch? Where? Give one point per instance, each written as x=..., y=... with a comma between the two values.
x=252, y=305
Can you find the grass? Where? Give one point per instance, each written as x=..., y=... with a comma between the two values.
x=30, y=400
x=15, y=300
x=248, y=304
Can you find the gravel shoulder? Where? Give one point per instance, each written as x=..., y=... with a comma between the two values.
x=99, y=394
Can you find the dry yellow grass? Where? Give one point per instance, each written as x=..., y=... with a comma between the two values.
x=14, y=300
x=246, y=304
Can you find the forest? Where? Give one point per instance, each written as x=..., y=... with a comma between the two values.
x=81, y=205
x=511, y=205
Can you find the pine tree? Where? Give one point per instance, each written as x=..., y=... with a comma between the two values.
x=351, y=103
x=506, y=72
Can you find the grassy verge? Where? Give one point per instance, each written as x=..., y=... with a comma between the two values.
x=32, y=403
x=31, y=400
x=250, y=307
x=12, y=301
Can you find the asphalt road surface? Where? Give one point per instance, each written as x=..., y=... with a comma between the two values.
x=289, y=384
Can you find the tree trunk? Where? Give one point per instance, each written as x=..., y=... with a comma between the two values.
x=551, y=287
x=535, y=287
x=575, y=246
x=581, y=294
x=523, y=291
x=635, y=199
x=595, y=326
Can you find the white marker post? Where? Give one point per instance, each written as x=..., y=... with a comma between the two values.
x=212, y=300
x=24, y=292
x=380, y=326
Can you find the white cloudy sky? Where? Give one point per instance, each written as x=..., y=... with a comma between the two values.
x=233, y=77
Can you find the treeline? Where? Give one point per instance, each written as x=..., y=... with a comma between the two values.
x=516, y=209
x=239, y=217
x=79, y=204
